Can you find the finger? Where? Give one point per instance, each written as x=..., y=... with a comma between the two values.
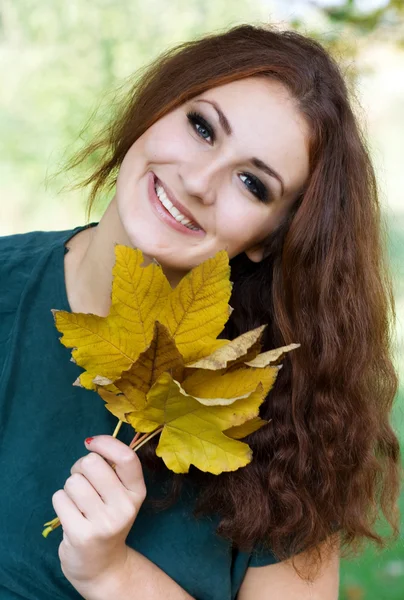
x=84, y=496
x=102, y=477
x=128, y=467
x=71, y=519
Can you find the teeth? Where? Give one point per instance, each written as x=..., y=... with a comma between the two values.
x=162, y=196
x=175, y=212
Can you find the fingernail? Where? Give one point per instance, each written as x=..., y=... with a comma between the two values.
x=88, y=440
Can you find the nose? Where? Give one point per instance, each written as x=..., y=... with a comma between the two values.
x=200, y=178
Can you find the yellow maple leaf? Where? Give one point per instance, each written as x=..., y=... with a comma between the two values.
x=271, y=356
x=194, y=313
x=241, y=431
x=154, y=331
x=216, y=385
x=197, y=309
x=119, y=405
x=193, y=432
x=108, y=345
x=244, y=347
x=161, y=355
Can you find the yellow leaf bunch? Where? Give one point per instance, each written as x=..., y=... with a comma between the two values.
x=157, y=363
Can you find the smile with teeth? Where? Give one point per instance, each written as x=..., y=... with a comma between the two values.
x=174, y=212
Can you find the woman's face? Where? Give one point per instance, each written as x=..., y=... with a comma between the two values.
x=233, y=159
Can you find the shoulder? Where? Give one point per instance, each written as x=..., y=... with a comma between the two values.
x=281, y=580
x=22, y=250
x=26, y=245
x=19, y=256
x=25, y=248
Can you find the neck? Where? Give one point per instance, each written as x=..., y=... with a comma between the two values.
x=89, y=264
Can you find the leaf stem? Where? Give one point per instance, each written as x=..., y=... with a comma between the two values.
x=148, y=437
x=137, y=439
x=51, y=526
x=134, y=440
x=117, y=428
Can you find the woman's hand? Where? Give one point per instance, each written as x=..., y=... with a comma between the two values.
x=97, y=508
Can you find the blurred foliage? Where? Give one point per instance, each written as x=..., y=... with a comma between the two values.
x=348, y=27
x=60, y=61
x=384, y=20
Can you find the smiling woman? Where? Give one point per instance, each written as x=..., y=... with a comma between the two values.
x=212, y=171
x=243, y=141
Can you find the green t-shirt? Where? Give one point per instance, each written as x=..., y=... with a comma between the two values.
x=43, y=423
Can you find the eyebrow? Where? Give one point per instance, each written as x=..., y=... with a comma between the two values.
x=257, y=162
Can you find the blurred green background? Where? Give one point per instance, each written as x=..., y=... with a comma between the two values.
x=63, y=62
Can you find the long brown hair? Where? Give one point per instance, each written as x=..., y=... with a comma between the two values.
x=330, y=459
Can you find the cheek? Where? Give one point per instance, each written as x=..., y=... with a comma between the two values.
x=131, y=167
x=163, y=142
x=240, y=225
x=168, y=142
x=238, y=219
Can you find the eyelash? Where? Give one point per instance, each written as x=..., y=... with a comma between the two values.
x=196, y=119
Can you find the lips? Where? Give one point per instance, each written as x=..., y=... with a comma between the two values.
x=164, y=215
x=184, y=211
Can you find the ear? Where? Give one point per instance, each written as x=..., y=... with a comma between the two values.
x=255, y=253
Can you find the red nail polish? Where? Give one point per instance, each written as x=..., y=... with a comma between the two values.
x=88, y=440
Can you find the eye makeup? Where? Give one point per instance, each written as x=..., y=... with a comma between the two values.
x=200, y=124
x=206, y=131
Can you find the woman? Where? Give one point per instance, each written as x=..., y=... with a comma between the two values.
x=245, y=141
